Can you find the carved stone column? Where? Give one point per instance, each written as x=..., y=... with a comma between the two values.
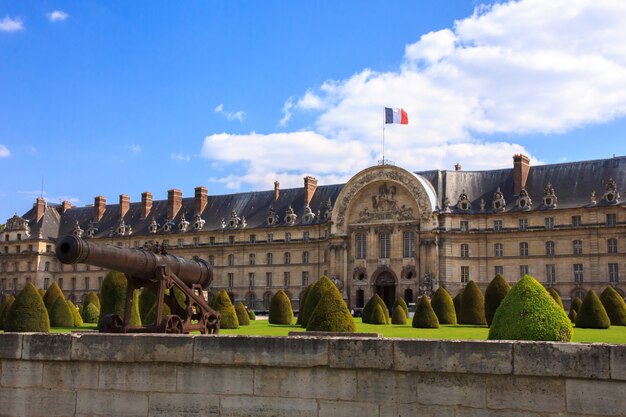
x=428, y=262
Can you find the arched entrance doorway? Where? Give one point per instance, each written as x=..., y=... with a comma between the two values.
x=385, y=286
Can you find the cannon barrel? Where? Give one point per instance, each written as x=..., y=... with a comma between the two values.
x=138, y=263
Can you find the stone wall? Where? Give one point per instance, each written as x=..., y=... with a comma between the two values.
x=164, y=375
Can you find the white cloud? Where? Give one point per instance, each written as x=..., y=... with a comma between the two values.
x=57, y=16
x=514, y=68
x=8, y=24
x=180, y=157
x=133, y=148
x=4, y=152
x=238, y=115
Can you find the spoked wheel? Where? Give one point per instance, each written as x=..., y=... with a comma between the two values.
x=172, y=324
x=212, y=323
x=112, y=323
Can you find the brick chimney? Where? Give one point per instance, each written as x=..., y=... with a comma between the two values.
x=457, y=167
x=200, y=200
x=124, y=205
x=310, y=184
x=174, y=202
x=65, y=206
x=99, y=207
x=41, y=207
x=521, y=167
x=276, y=190
x=146, y=204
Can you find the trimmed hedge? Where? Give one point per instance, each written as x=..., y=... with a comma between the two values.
x=28, y=313
x=113, y=299
x=151, y=315
x=592, y=314
x=556, y=297
x=378, y=316
x=6, y=306
x=497, y=289
x=147, y=300
x=251, y=315
x=51, y=295
x=401, y=303
x=314, y=295
x=472, y=305
x=457, y=304
x=331, y=313
x=576, y=303
x=280, y=309
x=424, y=317
x=41, y=292
x=529, y=313
x=226, y=309
x=368, y=310
x=301, y=304
x=78, y=320
x=614, y=305
x=91, y=314
x=399, y=316
x=443, y=306
x=60, y=314
x=92, y=297
x=572, y=316
x=242, y=314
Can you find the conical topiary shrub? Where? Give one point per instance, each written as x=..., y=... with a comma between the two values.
x=614, y=305
x=331, y=314
x=91, y=314
x=472, y=305
x=457, y=304
x=572, y=316
x=113, y=299
x=497, y=289
x=425, y=317
x=576, y=303
x=378, y=317
x=251, y=315
x=226, y=309
x=151, y=315
x=147, y=300
x=92, y=297
x=242, y=314
x=529, y=313
x=51, y=295
x=78, y=320
x=60, y=314
x=5, y=309
x=301, y=305
x=280, y=309
x=314, y=295
x=398, y=316
x=400, y=302
x=443, y=306
x=368, y=310
x=28, y=313
x=592, y=314
x=41, y=292
x=556, y=297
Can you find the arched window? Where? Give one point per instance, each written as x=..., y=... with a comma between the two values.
x=267, y=300
x=360, y=246
x=408, y=295
x=251, y=300
x=550, y=248
x=408, y=239
x=523, y=249
x=577, y=247
x=464, y=250
x=385, y=245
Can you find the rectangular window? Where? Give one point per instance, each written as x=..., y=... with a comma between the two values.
x=196, y=241
x=613, y=273
x=252, y=259
x=30, y=248
x=499, y=270
x=18, y=249
x=212, y=260
x=306, y=236
x=87, y=286
x=497, y=225
x=551, y=273
x=409, y=244
x=251, y=280
x=46, y=266
x=212, y=240
x=305, y=257
x=48, y=248
x=523, y=224
x=252, y=238
x=231, y=240
x=523, y=249
x=73, y=283
x=231, y=280
x=576, y=221
x=287, y=279
x=360, y=246
x=181, y=243
x=549, y=248
x=464, y=250
x=61, y=283
x=287, y=258
x=270, y=237
x=464, y=225
x=611, y=245
x=46, y=283
x=498, y=249
x=270, y=259
x=287, y=237
x=611, y=219
x=100, y=282
x=385, y=245
x=6, y=249
x=523, y=270
x=549, y=222
x=165, y=243
x=578, y=273
x=305, y=279
x=464, y=273
x=231, y=260
x=268, y=279
x=577, y=247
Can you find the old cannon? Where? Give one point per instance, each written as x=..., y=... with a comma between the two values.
x=155, y=269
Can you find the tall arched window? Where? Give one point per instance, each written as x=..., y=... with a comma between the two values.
x=385, y=244
x=408, y=239
x=360, y=246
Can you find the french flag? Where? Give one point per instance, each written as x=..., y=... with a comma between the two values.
x=396, y=116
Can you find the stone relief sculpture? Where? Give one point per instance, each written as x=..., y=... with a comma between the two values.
x=611, y=195
x=385, y=206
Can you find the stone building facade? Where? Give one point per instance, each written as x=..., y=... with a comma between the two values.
x=387, y=230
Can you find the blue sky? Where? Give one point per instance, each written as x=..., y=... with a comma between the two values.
x=105, y=98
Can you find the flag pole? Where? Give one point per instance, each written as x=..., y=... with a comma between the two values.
x=384, y=136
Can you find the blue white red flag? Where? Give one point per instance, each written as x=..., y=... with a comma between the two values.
x=396, y=116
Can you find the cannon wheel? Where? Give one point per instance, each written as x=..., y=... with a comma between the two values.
x=212, y=323
x=172, y=324
x=112, y=323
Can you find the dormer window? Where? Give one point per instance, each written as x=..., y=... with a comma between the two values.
x=523, y=200
x=121, y=229
x=329, y=210
x=154, y=226
x=183, y=225
x=272, y=218
x=77, y=230
x=308, y=215
x=498, y=202
x=290, y=216
x=92, y=229
x=549, y=197
x=464, y=203
x=198, y=224
x=234, y=220
x=169, y=225
x=611, y=195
